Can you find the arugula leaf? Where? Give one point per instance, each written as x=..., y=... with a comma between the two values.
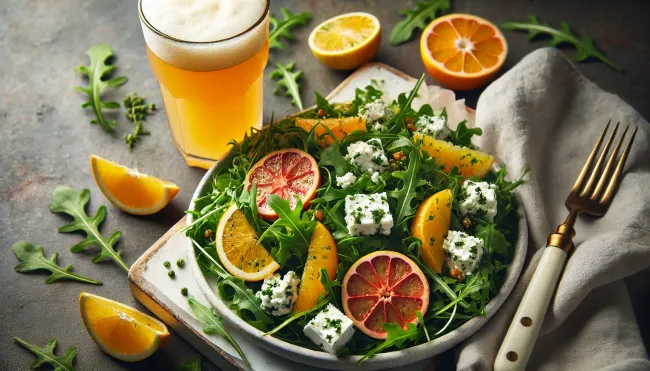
x=136, y=111
x=244, y=302
x=192, y=364
x=97, y=72
x=69, y=201
x=462, y=136
x=585, y=46
x=288, y=79
x=296, y=237
x=423, y=325
x=332, y=156
x=298, y=315
x=329, y=285
x=395, y=336
x=410, y=180
x=213, y=324
x=46, y=355
x=493, y=239
x=32, y=258
x=417, y=19
x=283, y=28
x=362, y=96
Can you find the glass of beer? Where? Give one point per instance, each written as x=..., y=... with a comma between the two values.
x=208, y=57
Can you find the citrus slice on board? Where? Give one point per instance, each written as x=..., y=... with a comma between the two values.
x=287, y=173
x=121, y=331
x=469, y=162
x=430, y=225
x=238, y=249
x=384, y=286
x=322, y=253
x=346, y=41
x=130, y=190
x=462, y=51
x=339, y=126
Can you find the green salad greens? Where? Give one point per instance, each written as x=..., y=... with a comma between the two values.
x=411, y=176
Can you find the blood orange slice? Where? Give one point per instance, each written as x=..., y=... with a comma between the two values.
x=384, y=286
x=286, y=173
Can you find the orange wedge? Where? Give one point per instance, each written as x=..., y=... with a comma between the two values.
x=121, y=331
x=339, y=127
x=130, y=190
x=462, y=51
x=469, y=162
x=346, y=41
x=430, y=225
x=238, y=249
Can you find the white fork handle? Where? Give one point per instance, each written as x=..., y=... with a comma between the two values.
x=522, y=334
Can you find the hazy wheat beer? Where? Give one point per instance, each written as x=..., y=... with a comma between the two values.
x=209, y=58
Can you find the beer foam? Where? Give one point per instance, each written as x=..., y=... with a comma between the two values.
x=210, y=34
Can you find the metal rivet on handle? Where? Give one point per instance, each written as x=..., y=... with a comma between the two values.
x=512, y=356
x=526, y=321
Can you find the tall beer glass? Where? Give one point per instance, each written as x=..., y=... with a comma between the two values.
x=208, y=57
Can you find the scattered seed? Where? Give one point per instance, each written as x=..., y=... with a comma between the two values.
x=319, y=215
x=180, y=263
x=167, y=264
x=467, y=223
x=321, y=112
x=207, y=233
x=398, y=155
x=410, y=127
x=184, y=291
x=171, y=274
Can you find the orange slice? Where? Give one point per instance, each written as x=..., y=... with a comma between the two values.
x=121, y=331
x=340, y=127
x=238, y=249
x=346, y=41
x=469, y=162
x=130, y=190
x=430, y=225
x=322, y=253
x=384, y=286
x=462, y=51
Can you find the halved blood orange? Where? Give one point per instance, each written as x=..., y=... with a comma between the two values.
x=384, y=286
x=286, y=173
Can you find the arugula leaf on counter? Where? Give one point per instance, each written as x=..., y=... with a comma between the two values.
x=286, y=78
x=213, y=324
x=137, y=111
x=283, y=28
x=97, y=72
x=584, y=46
x=192, y=364
x=46, y=355
x=73, y=203
x=417, y=18
x=395, y=336
x=31, y=258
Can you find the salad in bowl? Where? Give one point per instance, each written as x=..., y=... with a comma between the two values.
x=354, y=231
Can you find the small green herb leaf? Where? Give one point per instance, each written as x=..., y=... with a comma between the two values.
x=292, y=229
x=288, y=79
x=332, y=156
x=32, y=258
x=395, y=336
x=462, y=136
x=329, y=285
x=417, y=19
x=72, y=202
x=97, y=72
x=213, y=324
x=192, y=364
x=410, y=180
x=46, y=355
x=283, y=28
x=585, y=46
x=298, y=315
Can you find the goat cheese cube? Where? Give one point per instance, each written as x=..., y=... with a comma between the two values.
x=478, y=198
x=462, y=252
x=369, y=156
x=374, y=110
x=346, y=180
x=330, y=329
x=279, y=294
x=368, y=214
x=435, y=126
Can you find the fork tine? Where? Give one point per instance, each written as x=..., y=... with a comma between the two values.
x=606, y=174
x=611, y=188
x=585, y=169
x=595, y=173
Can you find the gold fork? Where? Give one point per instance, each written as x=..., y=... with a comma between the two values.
x=592, y=194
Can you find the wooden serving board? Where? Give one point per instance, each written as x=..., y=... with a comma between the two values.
x=150, y=284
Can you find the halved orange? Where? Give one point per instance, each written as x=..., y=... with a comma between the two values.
x=121, y=331
x=462, y=51
x=469, y=162
x=384, y=286
x=238, y=249
x=339, y=126
x=346, y=41
x=322, y=253
x=287, y=173
x=430, y=225
x=129, y=189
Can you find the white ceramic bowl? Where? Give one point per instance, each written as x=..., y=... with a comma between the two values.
x=382, y=360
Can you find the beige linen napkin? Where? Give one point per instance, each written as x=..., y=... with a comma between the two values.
x=545, y=115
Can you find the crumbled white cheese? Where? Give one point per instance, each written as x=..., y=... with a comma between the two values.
x=435, y=126
x=346, y=180
x=330, y=329
x=374, y=177
x=368, y=214
x=374, y=110
x=462, y=251
x=279, y=294
x=368, y=156
x=479, y=198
